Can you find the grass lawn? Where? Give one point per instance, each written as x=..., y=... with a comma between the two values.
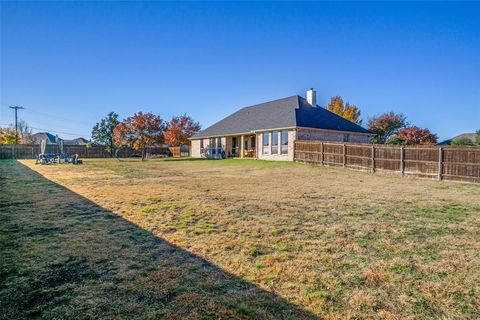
x=234, y=239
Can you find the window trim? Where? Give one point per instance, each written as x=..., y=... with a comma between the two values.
x=281, y=143
x=275, y=134
x=267, y=146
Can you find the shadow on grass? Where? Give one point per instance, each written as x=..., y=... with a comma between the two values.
x=63, y=256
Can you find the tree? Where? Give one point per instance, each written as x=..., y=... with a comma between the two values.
x=386, y=125
x=7, y=136
x=140, y=131
x=415, y=135
x=463, y=141
x=477, y=138
x=179, y=129
x=347, y=111
x=395, y=140
x=102, y=132
x=25, y=136
x=25, y=133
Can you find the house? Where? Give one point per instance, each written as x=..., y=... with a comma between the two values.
x=39, y=136
x=471, y=136
x=75, y=142
x=55, y=139
x=268, y=130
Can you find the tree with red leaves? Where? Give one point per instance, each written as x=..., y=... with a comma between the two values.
x=179, y=129
x=140, y=131
x=414, y=135
x=386, y=125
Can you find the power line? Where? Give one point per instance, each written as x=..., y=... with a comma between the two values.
x=47, y=130
x=62, y=132
x=57, y=117
x=43, y=129
x=30, y=110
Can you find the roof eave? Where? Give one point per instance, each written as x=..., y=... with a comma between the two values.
x=240, y=133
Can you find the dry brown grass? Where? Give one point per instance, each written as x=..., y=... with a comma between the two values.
x=336, y=243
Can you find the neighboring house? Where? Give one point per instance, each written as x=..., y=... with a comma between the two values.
x=51, y=139
x=38, y=137
x=471, y=136
x=268, y=130
x=75, y=142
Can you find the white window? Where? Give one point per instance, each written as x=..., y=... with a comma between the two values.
x=275, y=142
x=266, y=142
x=284, y=141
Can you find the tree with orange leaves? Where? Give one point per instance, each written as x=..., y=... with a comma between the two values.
x=179, y=129
x=140, y=132
x=347, y=110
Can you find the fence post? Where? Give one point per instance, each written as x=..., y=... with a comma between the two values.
x=440, y=163
x=321, y=153
x=373, y=158
x=344, y=154
x=402, y=160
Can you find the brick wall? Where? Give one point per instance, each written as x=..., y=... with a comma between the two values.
x=323, y=135
x=280, y=157
x=195, y=149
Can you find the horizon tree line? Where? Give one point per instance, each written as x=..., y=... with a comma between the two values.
x=142, y=130
x=389, y=127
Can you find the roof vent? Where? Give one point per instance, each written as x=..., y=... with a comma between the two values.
x=312, y=97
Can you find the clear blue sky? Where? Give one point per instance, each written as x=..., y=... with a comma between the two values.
x=69, y=64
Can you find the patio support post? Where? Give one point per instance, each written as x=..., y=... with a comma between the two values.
x=242, y=145
x=257, y=148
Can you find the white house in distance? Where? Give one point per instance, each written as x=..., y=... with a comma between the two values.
x=267, y=130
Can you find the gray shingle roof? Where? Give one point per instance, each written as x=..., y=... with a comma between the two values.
x=76, y=142
x=471, y=136
x=38, y=137
x=51, y=139
x=283, y=113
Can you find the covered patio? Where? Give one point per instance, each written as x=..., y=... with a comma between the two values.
x=241, y=146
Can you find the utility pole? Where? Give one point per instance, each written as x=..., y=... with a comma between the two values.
x=16, y=121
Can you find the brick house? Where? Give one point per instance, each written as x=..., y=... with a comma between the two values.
x=267, y=130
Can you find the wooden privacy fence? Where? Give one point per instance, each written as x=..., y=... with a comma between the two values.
x=28, y=151
x=442, y=163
